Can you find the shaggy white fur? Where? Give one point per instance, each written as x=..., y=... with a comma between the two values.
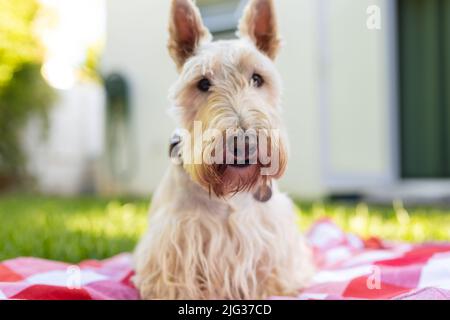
x=202, y=248
x=208, y=237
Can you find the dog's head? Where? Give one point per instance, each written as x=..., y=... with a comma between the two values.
x=227, y=97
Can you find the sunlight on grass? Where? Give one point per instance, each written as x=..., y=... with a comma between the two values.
x=118, y=220
x=91, y=228
x=396, y=223
x=69, y=229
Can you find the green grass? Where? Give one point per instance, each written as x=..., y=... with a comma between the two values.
x=396, y=223
x=69, y=229
x=92, y=228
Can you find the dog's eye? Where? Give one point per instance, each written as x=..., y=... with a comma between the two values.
x=204, y=85
x=257, y=80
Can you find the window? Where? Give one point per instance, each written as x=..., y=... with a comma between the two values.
x=222, y=16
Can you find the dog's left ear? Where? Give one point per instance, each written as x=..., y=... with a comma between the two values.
x=187, y=31
x=259, y=24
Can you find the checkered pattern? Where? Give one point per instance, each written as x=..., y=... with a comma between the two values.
x=352, y=268
x=349, y=268
x=37, y=279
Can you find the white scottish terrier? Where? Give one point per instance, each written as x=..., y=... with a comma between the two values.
x=219, y=227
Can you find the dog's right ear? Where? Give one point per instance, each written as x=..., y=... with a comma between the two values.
x=187, y=31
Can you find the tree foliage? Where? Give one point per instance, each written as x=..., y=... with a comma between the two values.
x=23, y=91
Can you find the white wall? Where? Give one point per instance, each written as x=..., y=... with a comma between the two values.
x=336, y=95
x=299, y=67
x=357, y=91
x=339, y=95
x=63, y=158
x=136, y=47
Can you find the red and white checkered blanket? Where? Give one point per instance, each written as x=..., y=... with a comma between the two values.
x=349, y=268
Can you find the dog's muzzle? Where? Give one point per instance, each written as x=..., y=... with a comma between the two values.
x=263, y=193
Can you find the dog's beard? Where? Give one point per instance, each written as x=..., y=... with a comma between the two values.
x=222, y=180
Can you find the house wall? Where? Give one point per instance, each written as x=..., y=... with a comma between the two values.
x=62, y=158
x=358, y=96
x=337, y=95
x=136, y=47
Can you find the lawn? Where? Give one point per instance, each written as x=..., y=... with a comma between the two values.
x=92, y=228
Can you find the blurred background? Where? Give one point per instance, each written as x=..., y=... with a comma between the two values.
x=84, y=126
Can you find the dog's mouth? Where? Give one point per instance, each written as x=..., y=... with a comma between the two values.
x=244, y=164
x=240, y=177
x=240, y=166
x=241, y=172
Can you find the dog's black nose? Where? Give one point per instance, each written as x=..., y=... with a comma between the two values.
x=242, y=150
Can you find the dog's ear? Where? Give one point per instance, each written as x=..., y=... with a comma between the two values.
x=259, y=24
x=186, y=30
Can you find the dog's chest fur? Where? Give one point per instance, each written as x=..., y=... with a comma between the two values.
x=199, y=246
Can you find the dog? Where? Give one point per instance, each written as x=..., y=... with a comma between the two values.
x=222, y=229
